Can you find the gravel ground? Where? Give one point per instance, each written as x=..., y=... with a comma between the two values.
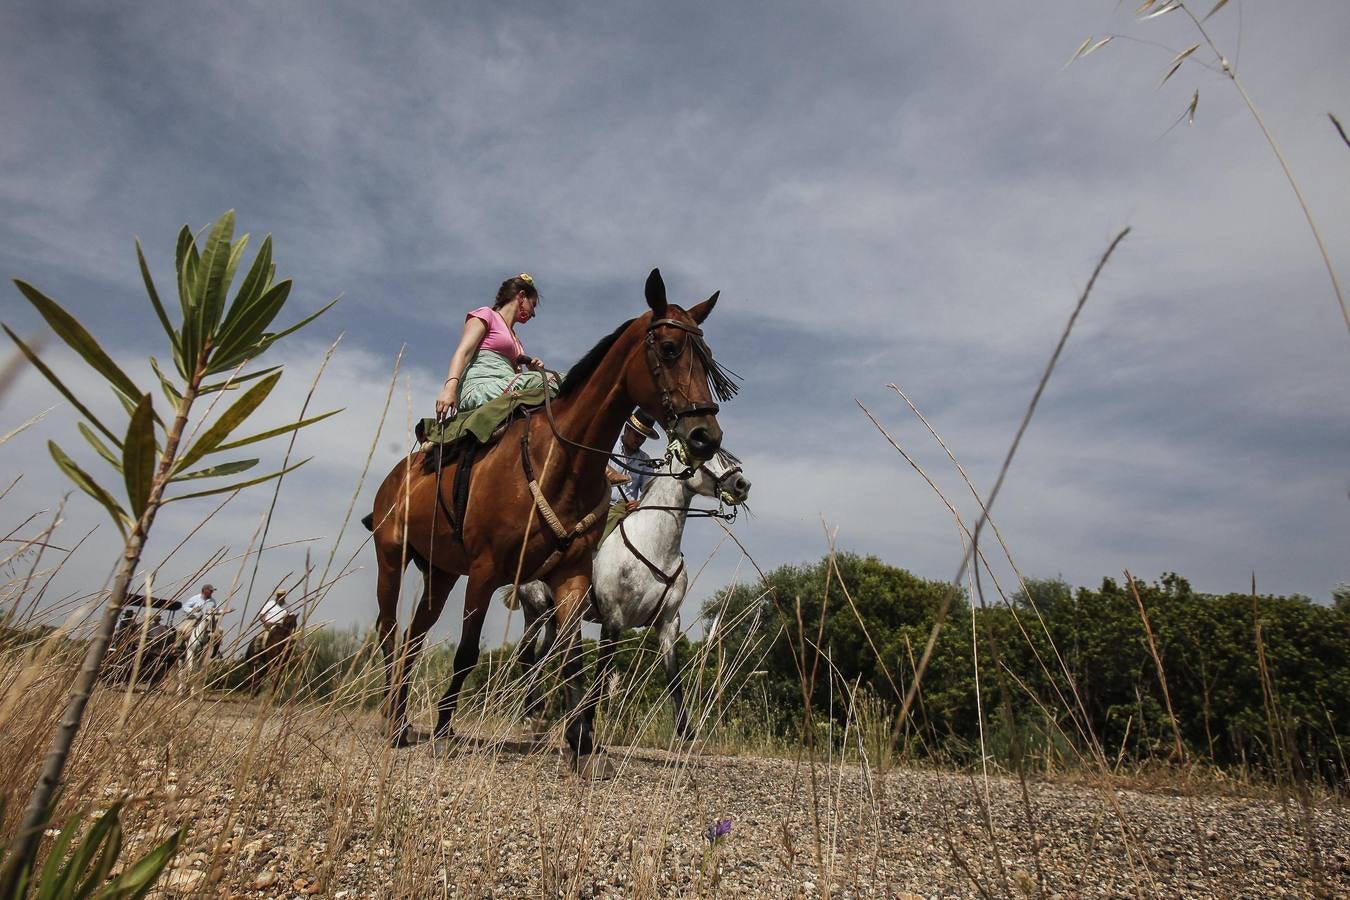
x=316, y=805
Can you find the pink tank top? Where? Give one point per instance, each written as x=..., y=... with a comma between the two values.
x=499, y=338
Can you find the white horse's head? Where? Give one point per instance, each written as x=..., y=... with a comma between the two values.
x=722, y=479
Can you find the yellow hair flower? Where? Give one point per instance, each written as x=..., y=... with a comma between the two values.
x=525, y=277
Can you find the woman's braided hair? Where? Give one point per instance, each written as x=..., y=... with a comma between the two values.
x=516, y=284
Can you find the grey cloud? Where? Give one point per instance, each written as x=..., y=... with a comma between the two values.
x=912, y=194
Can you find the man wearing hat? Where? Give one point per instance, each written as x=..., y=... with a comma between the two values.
x=275, y=611
x=197, y=604
x=637, y=464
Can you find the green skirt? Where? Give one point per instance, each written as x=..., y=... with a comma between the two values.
x=487, y=376
x=490, y=391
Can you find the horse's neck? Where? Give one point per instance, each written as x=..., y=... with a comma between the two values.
x=659, y=528
x=593, y=417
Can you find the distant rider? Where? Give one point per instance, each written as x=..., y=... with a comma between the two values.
x=275, y=611
x=198, y=604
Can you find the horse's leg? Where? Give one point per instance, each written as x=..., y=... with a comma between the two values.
x=666, y=637
x=477, y=596
x=537, y=621
x=390, y=562
x=570, y=603
x=436, y=587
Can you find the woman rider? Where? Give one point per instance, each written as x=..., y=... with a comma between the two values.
x=484, y=364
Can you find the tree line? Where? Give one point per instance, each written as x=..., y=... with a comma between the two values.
x=1056, y=674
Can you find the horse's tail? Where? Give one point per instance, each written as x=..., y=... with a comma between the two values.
x=369, y=522
x=534, y=596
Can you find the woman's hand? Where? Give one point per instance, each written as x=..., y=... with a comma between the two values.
x=446, y=401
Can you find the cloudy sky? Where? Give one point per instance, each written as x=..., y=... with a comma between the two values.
x=883, y=192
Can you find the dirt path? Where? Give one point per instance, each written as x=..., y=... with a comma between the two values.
x=315, y=804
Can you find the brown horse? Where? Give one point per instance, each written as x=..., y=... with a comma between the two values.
x=269, y=651
x=517, y=527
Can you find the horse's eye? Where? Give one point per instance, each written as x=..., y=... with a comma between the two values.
x=669, y=350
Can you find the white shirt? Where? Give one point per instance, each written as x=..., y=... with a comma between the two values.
x=274, y=613
x=197, y=604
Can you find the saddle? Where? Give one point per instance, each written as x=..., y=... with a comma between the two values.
x=461, y=441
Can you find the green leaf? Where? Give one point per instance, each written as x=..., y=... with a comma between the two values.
x=236, y=255
x=185, y=262
x=49, y=879
x=154, y=298
x=228, y=421
x=229, y=468
x=180, y=265
x=267, y=340
x=80, y=340
x=88, y=485
x=208, y=295
x=64, y=391
x=138, y=879
x=85, y=853
x=242, y=484
x=168, y=387
x=257, y=281
x=273, y=338
x=138, y=456
x=247, y=328
x=233, y=383
x=294, y=426
x=99, y=446
x=112, y=849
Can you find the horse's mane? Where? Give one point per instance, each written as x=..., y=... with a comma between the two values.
x=586, y=366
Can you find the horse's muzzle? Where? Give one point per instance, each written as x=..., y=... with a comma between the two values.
x=737, y=488
x=703, y=440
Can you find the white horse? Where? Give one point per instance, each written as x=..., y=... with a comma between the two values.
x=199, y=640
x=638, y=575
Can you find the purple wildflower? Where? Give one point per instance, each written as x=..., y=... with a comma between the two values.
x=718, y=830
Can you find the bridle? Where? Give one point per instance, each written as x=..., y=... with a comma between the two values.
x=719, y=493
x=657, y=364
x=720, y=383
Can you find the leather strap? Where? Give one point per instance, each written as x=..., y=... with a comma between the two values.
x=667, y=580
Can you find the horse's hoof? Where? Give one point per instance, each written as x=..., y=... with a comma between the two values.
x=444, y=740
x=406, y=736
x=593, y=766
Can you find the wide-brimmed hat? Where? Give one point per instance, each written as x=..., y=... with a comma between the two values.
x=642, y=423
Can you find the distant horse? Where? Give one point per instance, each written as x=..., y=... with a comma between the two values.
x=198, y=641
x=270, y=651
x=638, y=576
x=535, y=500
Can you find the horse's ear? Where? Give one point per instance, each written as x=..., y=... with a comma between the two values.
x=700, y=312
x=656, y=294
